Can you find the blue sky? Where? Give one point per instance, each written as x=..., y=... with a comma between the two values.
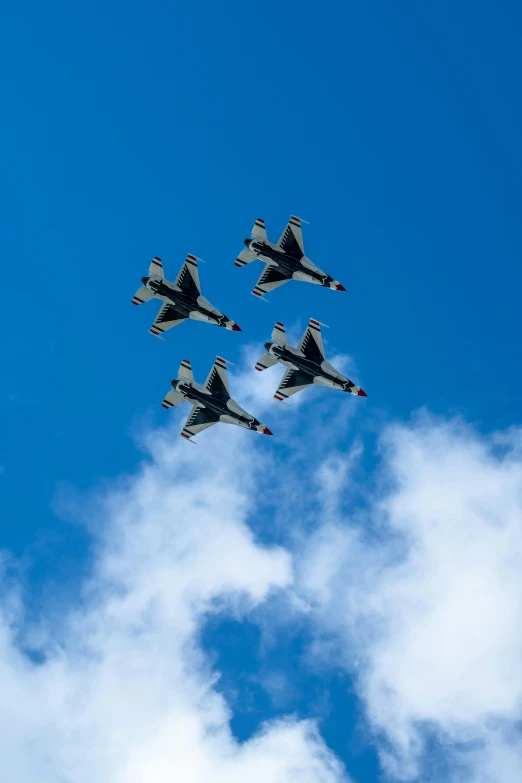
x=132, y=130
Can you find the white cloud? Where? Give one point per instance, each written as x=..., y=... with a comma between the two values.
x=256, y=389
x=419, y=593
x=423, y=593
x=125, y=694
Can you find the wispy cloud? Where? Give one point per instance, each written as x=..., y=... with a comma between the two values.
x=420, y=597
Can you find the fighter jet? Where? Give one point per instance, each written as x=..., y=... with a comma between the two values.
x=284, y=261
x=306, y=363
x=181, y=299
x=210, y=403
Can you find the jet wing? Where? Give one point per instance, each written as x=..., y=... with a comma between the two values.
x=188, y=277
x=311, y=344
x=199, y=419
x=142, y=295
x=292, y=382
x=272, y=277
x=167, y=317
x=291, y=241
x=217, y=381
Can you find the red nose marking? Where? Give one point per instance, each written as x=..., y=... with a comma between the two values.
x=340, y=287
x=236, y=328
x=266, y=431
x=361, y=393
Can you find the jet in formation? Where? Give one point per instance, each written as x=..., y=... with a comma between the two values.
x=181, y=299
x=210, y=403
x=284, y=261
x=306, y=363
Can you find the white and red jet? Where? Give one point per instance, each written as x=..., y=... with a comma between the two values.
x=284, y=261
x=181, y=299
x=211, y=402
x=306, y=363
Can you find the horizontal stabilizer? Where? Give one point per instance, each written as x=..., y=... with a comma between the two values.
x=279, y=334
x=172, y=398
x=245, y=257
x=142, y=295
x=265, y=361
x=185, y=371
x=259, y=230
x=156, y=268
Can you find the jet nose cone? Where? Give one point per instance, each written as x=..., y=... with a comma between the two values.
x=236, y=328
x=361, y=393
x=339, y=287
x=248, y=242
x=266, y=431
x=145, y=280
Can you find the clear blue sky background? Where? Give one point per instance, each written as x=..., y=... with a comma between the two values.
x=130, y=130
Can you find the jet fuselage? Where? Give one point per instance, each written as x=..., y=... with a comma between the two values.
x=182, y=301
x=215, y=404
x=288, y=263
x=295, y=360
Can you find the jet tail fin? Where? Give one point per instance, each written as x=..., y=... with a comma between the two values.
x=185, y=371
x=156, y=268
x=279, y=334
x=259, y=230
